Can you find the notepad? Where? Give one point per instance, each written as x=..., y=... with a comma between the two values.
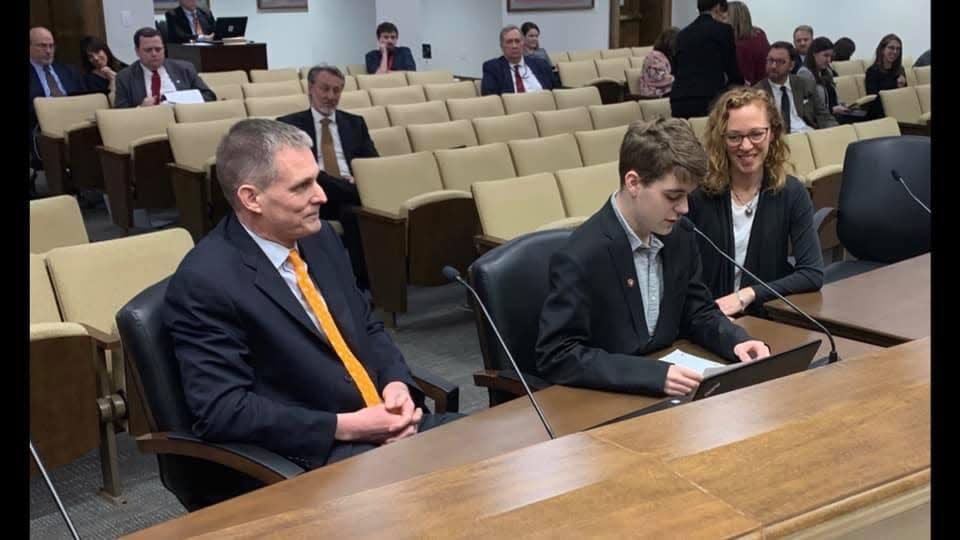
x=183, y=96
x=700, y=365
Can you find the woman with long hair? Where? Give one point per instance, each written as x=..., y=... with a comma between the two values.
x=752, y=44
x=816, y=67
x=100, y=66
x=751, y=208
x=887, y=71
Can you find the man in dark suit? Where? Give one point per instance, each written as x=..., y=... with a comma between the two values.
x=797, y=98
x=187, y=22
x=628, y=283
x=387, y=56
x=144, y=83
x=338, y=138
x=705, y=62
x=514, y=72
x=276, y=345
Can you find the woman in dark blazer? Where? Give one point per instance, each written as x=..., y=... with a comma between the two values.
x=886, y=73
x=752, y=209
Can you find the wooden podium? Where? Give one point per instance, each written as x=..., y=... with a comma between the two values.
x=220, y=57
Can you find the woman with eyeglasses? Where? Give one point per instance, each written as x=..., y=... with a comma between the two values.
x=751, y=208
x=886, y=73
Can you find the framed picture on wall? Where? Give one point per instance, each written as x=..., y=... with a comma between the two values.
x=300, y=5
x=548, y=5
x=162, y=6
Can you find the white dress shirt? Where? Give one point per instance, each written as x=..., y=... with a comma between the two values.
x=796, y=123
x=337, y=146
x=649, y=267
x=166, y=83
x=530, y=81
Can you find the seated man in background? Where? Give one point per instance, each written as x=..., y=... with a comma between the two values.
x=187, y=22
x=628, y=283
x=387, y=56
x=802, y=38
x=513, y=72
x=143, y=83
x=340, y=137
x=797, y=97
x=276, y=346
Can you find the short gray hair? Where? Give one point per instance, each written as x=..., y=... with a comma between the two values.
x=246, y=153
x=509, y=28
x=333, y=70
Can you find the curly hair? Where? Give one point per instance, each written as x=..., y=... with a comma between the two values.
x=718, y=163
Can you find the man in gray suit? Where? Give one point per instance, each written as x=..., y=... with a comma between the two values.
x=144, y=83
x=796, y=97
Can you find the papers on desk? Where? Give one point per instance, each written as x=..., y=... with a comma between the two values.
x=183, y=96
x=700, y=365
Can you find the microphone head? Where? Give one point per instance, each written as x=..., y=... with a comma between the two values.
x=686, y=224
x=450, y=273
x=895, y=174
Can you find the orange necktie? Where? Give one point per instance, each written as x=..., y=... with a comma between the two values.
x=319, y=308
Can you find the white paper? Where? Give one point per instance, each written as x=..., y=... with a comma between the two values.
x=700, y=365
x=183, y=96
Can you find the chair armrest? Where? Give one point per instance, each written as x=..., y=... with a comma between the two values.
x=101, y=339
x=251, y=460
x=186, y=168
x=149, y=139
x=379, y=216
x=52, y=330
x=925, y=117
x=208, y=165
x=424, y=199
x=822, y=172
x=485, y=242
x=113, y=152
x=824, y=217
x=444, y=393
x=80, y=127
x=51, y=136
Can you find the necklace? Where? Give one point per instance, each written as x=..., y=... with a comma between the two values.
x=749, y=207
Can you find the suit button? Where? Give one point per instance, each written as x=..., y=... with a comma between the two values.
x=347, y=378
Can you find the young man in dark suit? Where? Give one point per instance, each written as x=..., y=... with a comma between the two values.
x=705, y=62
x=276, y=345
x=339, y=137
x=188, y=22
x=628, y=283
x=143, y=83
x=387, y=56
x=513, y=72
x=796, y=97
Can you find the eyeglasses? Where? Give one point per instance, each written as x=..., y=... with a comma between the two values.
x=756, y=136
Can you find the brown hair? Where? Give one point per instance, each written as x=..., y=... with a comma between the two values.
x=740, y=20
x=655, y=148
x=718, y=169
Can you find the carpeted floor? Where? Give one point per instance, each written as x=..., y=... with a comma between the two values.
x=438, y=334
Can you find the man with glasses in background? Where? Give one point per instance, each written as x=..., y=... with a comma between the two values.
x=796, y=97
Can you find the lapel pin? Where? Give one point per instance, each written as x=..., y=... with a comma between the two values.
x=629, y=282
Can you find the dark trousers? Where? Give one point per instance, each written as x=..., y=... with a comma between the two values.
x=690, y=107
x=342, y=197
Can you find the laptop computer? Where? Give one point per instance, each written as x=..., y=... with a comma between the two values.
x=738, y=376
x=230, y=27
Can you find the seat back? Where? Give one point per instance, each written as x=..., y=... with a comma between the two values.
x=380, y=80
x=699, y=126
x=424, y=137
x=354, y=99
x=909, y=74
x=860, y=79
x=43, y=303
x=212, y=110
x=801, y=157
x=588, y=54
x=562, y=121
x=546, y=154
x=120, y=127
x=396, y=95
x=829, y=145
x=476, y=107
x=881, y=127
x=585, y=190
x=444, y=91
x=515, y=206
x=849, y=67
x=641, y=51
x=267, y=89
x=847, y=89
x=56, y=222
x=505, y=128
x=429, y=112
x=652, y=109
x=274, y=75
x=613, y=68
x=637, y=61
x=623, y=52
x=877, y=219
x=56, y=114
x=375, y=117
x=387, y=183
x=227, y=91
x=600, y=145
x=922, y=74
x=357, y=69
x=577, y=73
x=522, y=264
x=276, y=106
x=436, y=76
x=528, y=102
x=217, y=78
x=195, y=143
x=615, y=114
x=569, y=98
x=391, y=141
x=923, y=96
x=633, y=76
x=902, y=104
x=461, y=167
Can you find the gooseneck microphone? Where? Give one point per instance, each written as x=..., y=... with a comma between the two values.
x=53, y=491
x=453, y=274
x=688, y=225
x=896, y=176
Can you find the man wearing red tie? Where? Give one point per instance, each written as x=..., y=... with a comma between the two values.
x=143, y=83
x=513, y=72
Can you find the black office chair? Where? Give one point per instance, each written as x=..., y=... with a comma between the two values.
x=878, y=222
x=513, y=281
x=197, y=472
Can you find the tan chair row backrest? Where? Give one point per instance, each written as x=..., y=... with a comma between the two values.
x=56, y=222
x=906, y=104
x=823, y=148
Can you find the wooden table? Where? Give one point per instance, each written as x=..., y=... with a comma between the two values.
x=220, y=57
x=486, y=434
x=887, y=306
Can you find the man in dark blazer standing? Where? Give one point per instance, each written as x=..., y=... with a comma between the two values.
x=705, y=63
x=143, y=83
x=513, y=72
x=188, y=22
x=796, y=97
x=339, y=137
x=387, y=56
x=276, y=345
x=627, y=282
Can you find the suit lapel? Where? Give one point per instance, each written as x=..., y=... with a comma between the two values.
x=345, y=131
x=798, y=100
x=626, y=270
x=139, y=87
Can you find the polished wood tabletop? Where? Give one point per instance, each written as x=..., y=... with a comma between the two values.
x=886, y=306
x=482, y=435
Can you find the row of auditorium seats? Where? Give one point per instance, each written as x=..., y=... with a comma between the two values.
x=351, y=82
x=908, y=105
